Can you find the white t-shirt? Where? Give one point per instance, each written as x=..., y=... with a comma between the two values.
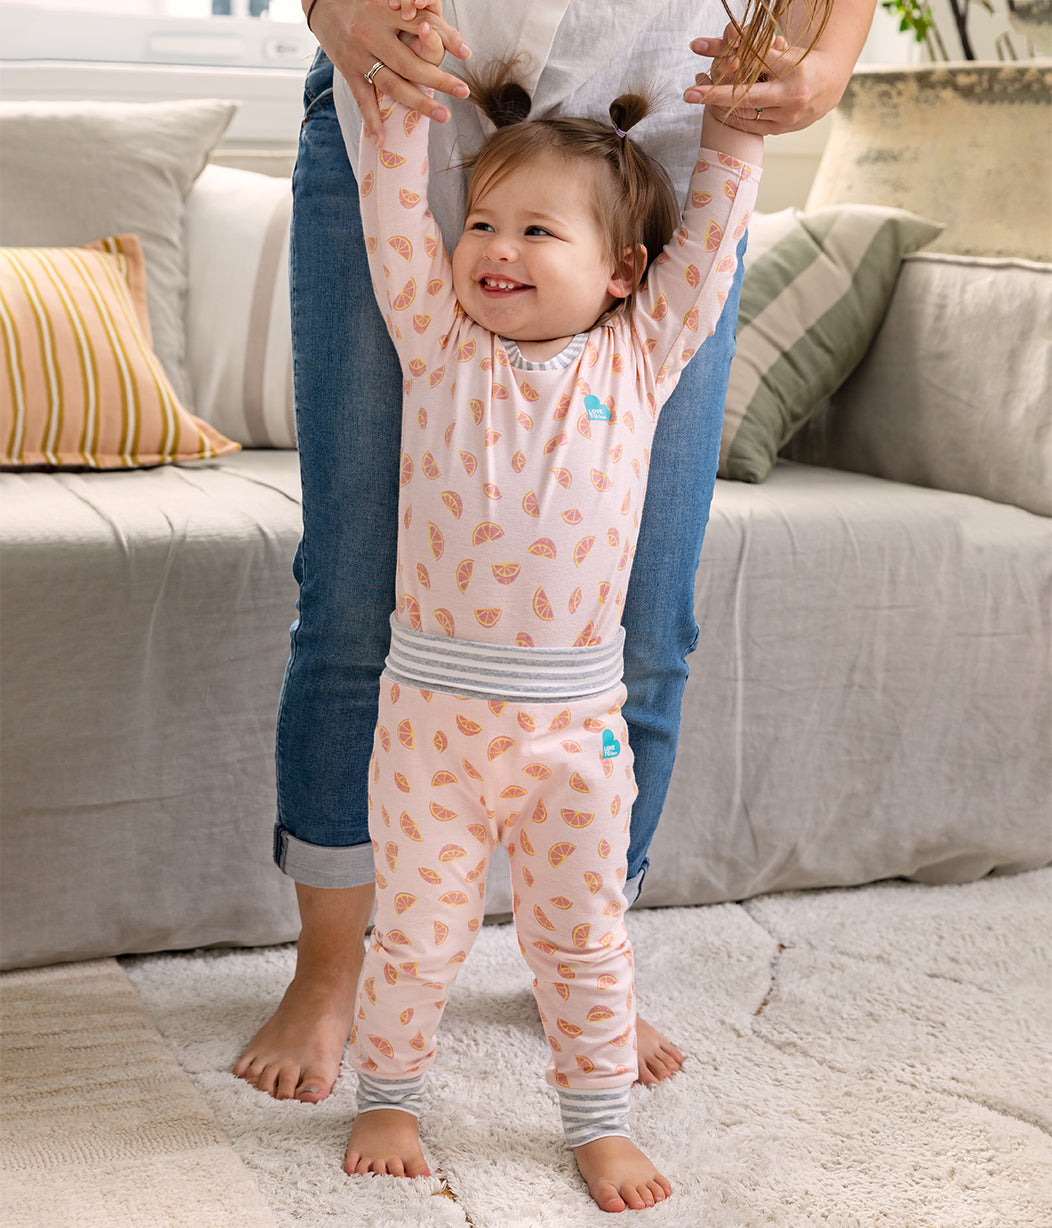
x=583, y=55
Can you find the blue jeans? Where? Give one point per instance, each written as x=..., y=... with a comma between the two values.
x=348, y=406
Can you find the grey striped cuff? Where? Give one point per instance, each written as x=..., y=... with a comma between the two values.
x=589, y=1114
x=503, y=671
x=409, y=1095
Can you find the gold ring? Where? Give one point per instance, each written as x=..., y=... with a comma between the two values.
x=374, y=70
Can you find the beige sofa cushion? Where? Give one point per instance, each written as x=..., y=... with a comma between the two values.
x=956, y=390
x=238, y=336
x=72, y=172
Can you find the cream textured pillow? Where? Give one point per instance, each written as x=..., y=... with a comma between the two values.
x=80, y=385
x=956, y=390
x=238, y=339
x=811, y=303
x=70, y=172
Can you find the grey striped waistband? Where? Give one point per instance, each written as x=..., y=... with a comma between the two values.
x=502, y=671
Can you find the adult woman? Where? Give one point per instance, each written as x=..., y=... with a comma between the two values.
x=348, y=394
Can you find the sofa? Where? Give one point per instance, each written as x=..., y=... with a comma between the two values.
x=871, y=694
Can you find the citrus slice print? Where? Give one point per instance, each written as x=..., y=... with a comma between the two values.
x=435, y=540
x=563, y=476
x=518, y=461
x=543, y=548
x=522, y=640
x=435, y=286
x=488, y=616
x=505, y=573
x=540, y=813
x=469, y=767
x=526, y=844
x=542, y=607
x=499, y=746
x=410, y=828
x=587, y=636
x=413, y=610
x=384, y=1046
x=403, y=901
x=442, y=813
x=496, y=706
x=440, y=741
x=530, y=504
x=441, y=933
x=430, y=466
x=429, y=876
x=453, y=899
x=486, y=531
x=464, y=570
x=594, y=882
x=445, y=621
x=512, y=793
x=491, y=438
x=454, y=502
x=580, y=935
x=491, y=490
x=599, y=1014
x=417, y=367
x=555, y=443
x=538, y=771
x=469, y=727
x=391, y=855
x=572, y=515
x=405, y=733
x=601, y=481
x=577, y=818
x=603, y=849
x=451, y=852
x=576, y=598
x=469, y=461
x=407, y=470
x=402, y=246
x=541, y=918
x=713, y=237
x=579, y=784
x=568, y=1029
x=466, y=351
x=478, y=831
x=558, y=853
x=407, y=199
x=405, y=297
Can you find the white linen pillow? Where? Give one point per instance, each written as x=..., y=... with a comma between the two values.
x=238, y=340
x=70, y=172
x=955, y=392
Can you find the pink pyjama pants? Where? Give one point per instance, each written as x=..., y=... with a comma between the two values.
x=451, y=777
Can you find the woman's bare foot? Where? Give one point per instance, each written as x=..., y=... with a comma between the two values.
x=297, y=1052
x=619, y=1175
x=658, y=1057
x=386, y=1141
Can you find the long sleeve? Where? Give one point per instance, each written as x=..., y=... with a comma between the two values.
x=681, y=302
x=411, y=272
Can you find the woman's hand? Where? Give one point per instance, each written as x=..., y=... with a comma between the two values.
x=794, y=90
x=355, y=34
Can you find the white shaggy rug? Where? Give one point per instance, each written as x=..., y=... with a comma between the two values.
x=870, y=1056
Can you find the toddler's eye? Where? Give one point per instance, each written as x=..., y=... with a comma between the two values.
x=483, y=226
x=537, y=230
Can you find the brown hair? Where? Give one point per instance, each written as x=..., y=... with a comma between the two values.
x=635, y=201
x=763, y=21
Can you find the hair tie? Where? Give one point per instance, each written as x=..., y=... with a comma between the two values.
x=621, y=134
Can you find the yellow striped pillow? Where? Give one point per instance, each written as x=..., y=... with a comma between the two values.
x=80, y=385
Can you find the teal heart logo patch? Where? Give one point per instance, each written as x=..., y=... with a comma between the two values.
x=597, y=411
x=611, y=746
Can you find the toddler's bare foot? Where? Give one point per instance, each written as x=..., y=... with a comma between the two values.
x=658, y=1057
x=619, y=1175
x=386, y=1141
x=296, y=1053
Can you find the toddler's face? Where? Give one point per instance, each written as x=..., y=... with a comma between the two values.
x=532, y=263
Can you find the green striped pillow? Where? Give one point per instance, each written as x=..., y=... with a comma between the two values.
x=812, y=301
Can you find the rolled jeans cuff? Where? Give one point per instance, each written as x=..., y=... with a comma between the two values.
x=317, y=865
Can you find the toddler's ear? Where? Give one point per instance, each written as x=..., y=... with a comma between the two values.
x=629, y=272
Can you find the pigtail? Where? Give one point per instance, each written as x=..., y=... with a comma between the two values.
x=627, y=110
x=497, y=92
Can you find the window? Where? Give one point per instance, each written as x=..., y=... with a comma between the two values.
x=236, y=33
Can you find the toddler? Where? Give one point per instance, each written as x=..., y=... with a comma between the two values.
x=535, y=364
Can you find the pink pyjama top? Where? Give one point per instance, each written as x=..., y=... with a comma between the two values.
x=522, y=483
